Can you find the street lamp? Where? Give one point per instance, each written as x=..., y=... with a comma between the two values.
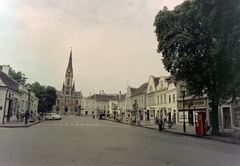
x=28, y=107
x=184, y=123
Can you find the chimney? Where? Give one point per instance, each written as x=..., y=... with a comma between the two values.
x=5, y=69
x=119, y=94
x=102, y=91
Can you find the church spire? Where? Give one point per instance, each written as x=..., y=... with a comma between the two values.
x=70, y=62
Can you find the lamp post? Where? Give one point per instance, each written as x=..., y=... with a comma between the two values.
x=28, y=106
x=184, y=123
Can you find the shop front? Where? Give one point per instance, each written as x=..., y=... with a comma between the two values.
x=190, y=111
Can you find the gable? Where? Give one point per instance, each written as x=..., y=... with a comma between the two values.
x=152, y=82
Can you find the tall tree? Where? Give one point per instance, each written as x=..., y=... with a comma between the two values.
x=47, y=96
x=200, y=44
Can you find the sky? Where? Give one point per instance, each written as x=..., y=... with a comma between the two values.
x=113, y=41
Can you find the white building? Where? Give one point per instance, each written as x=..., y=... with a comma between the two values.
x=14, y=98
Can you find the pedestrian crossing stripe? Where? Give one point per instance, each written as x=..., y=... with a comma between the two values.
x=76, y=124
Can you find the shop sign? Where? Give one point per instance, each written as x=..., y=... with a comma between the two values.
x=195, y=103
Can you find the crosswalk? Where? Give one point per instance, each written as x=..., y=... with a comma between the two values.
x=78, y=124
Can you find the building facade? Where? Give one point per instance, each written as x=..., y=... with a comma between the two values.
x=14, y=98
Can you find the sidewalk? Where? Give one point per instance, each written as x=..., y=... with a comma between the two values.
x=14, y=124
x=178, y=129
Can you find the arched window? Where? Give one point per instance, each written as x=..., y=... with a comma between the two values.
x=68, y=82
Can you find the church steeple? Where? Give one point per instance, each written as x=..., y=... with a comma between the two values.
x=70, y=68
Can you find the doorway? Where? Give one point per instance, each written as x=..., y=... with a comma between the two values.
x=190, y=118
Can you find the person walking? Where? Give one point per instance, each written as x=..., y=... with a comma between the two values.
x=93, y=115
x=27, y=114
x=156, y=120
x=17, y=116
x=160, y=124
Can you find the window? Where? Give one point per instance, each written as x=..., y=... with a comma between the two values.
x=226, y=118
x=165, y=99
x=173, y=98
x=161, y=99
x=68, y=82
x=76, y=101
x=169, y=99
x=237, y=118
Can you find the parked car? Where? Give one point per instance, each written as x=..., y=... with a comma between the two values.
x=52, y=116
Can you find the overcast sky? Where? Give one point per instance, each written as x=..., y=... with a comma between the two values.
x=113, y=41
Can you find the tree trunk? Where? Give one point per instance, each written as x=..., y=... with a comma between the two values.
x=215, y=125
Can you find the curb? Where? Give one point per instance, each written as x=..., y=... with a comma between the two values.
x=184, y=134
x=20, y=126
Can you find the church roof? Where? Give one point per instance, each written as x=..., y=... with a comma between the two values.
x=70, y=63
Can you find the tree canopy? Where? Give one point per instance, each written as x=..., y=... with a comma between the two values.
x=47, y=96
x=200, y=44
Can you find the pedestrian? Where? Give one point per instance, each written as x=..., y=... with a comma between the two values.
x=17, y=115
x=156, y=120
x=173, y=119
x=160, y=124
x=93, y=115
x=27, y=114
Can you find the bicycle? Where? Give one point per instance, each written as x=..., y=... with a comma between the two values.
x=234, y=137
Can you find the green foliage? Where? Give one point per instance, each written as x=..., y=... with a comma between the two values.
x=200, y=44
x=19, y=77
x=47, y=96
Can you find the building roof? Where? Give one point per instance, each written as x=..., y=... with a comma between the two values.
x=156, y=81
x=78, y=94
x=141, y=90
x=133, y=90
x=171, y=79
x=102, y=97
x=9, y=82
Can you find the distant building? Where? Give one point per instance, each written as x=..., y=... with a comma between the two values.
x=68, y=100
x=97, y=104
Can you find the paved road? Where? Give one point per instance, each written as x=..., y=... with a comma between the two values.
x=83, y=141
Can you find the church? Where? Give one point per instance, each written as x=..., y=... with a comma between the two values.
x=68, y=100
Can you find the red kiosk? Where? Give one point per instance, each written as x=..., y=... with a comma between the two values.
x=201, y=125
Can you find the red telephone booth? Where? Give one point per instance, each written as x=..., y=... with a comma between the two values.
x=201, y=125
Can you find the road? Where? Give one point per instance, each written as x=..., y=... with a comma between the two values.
x=83, y=141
